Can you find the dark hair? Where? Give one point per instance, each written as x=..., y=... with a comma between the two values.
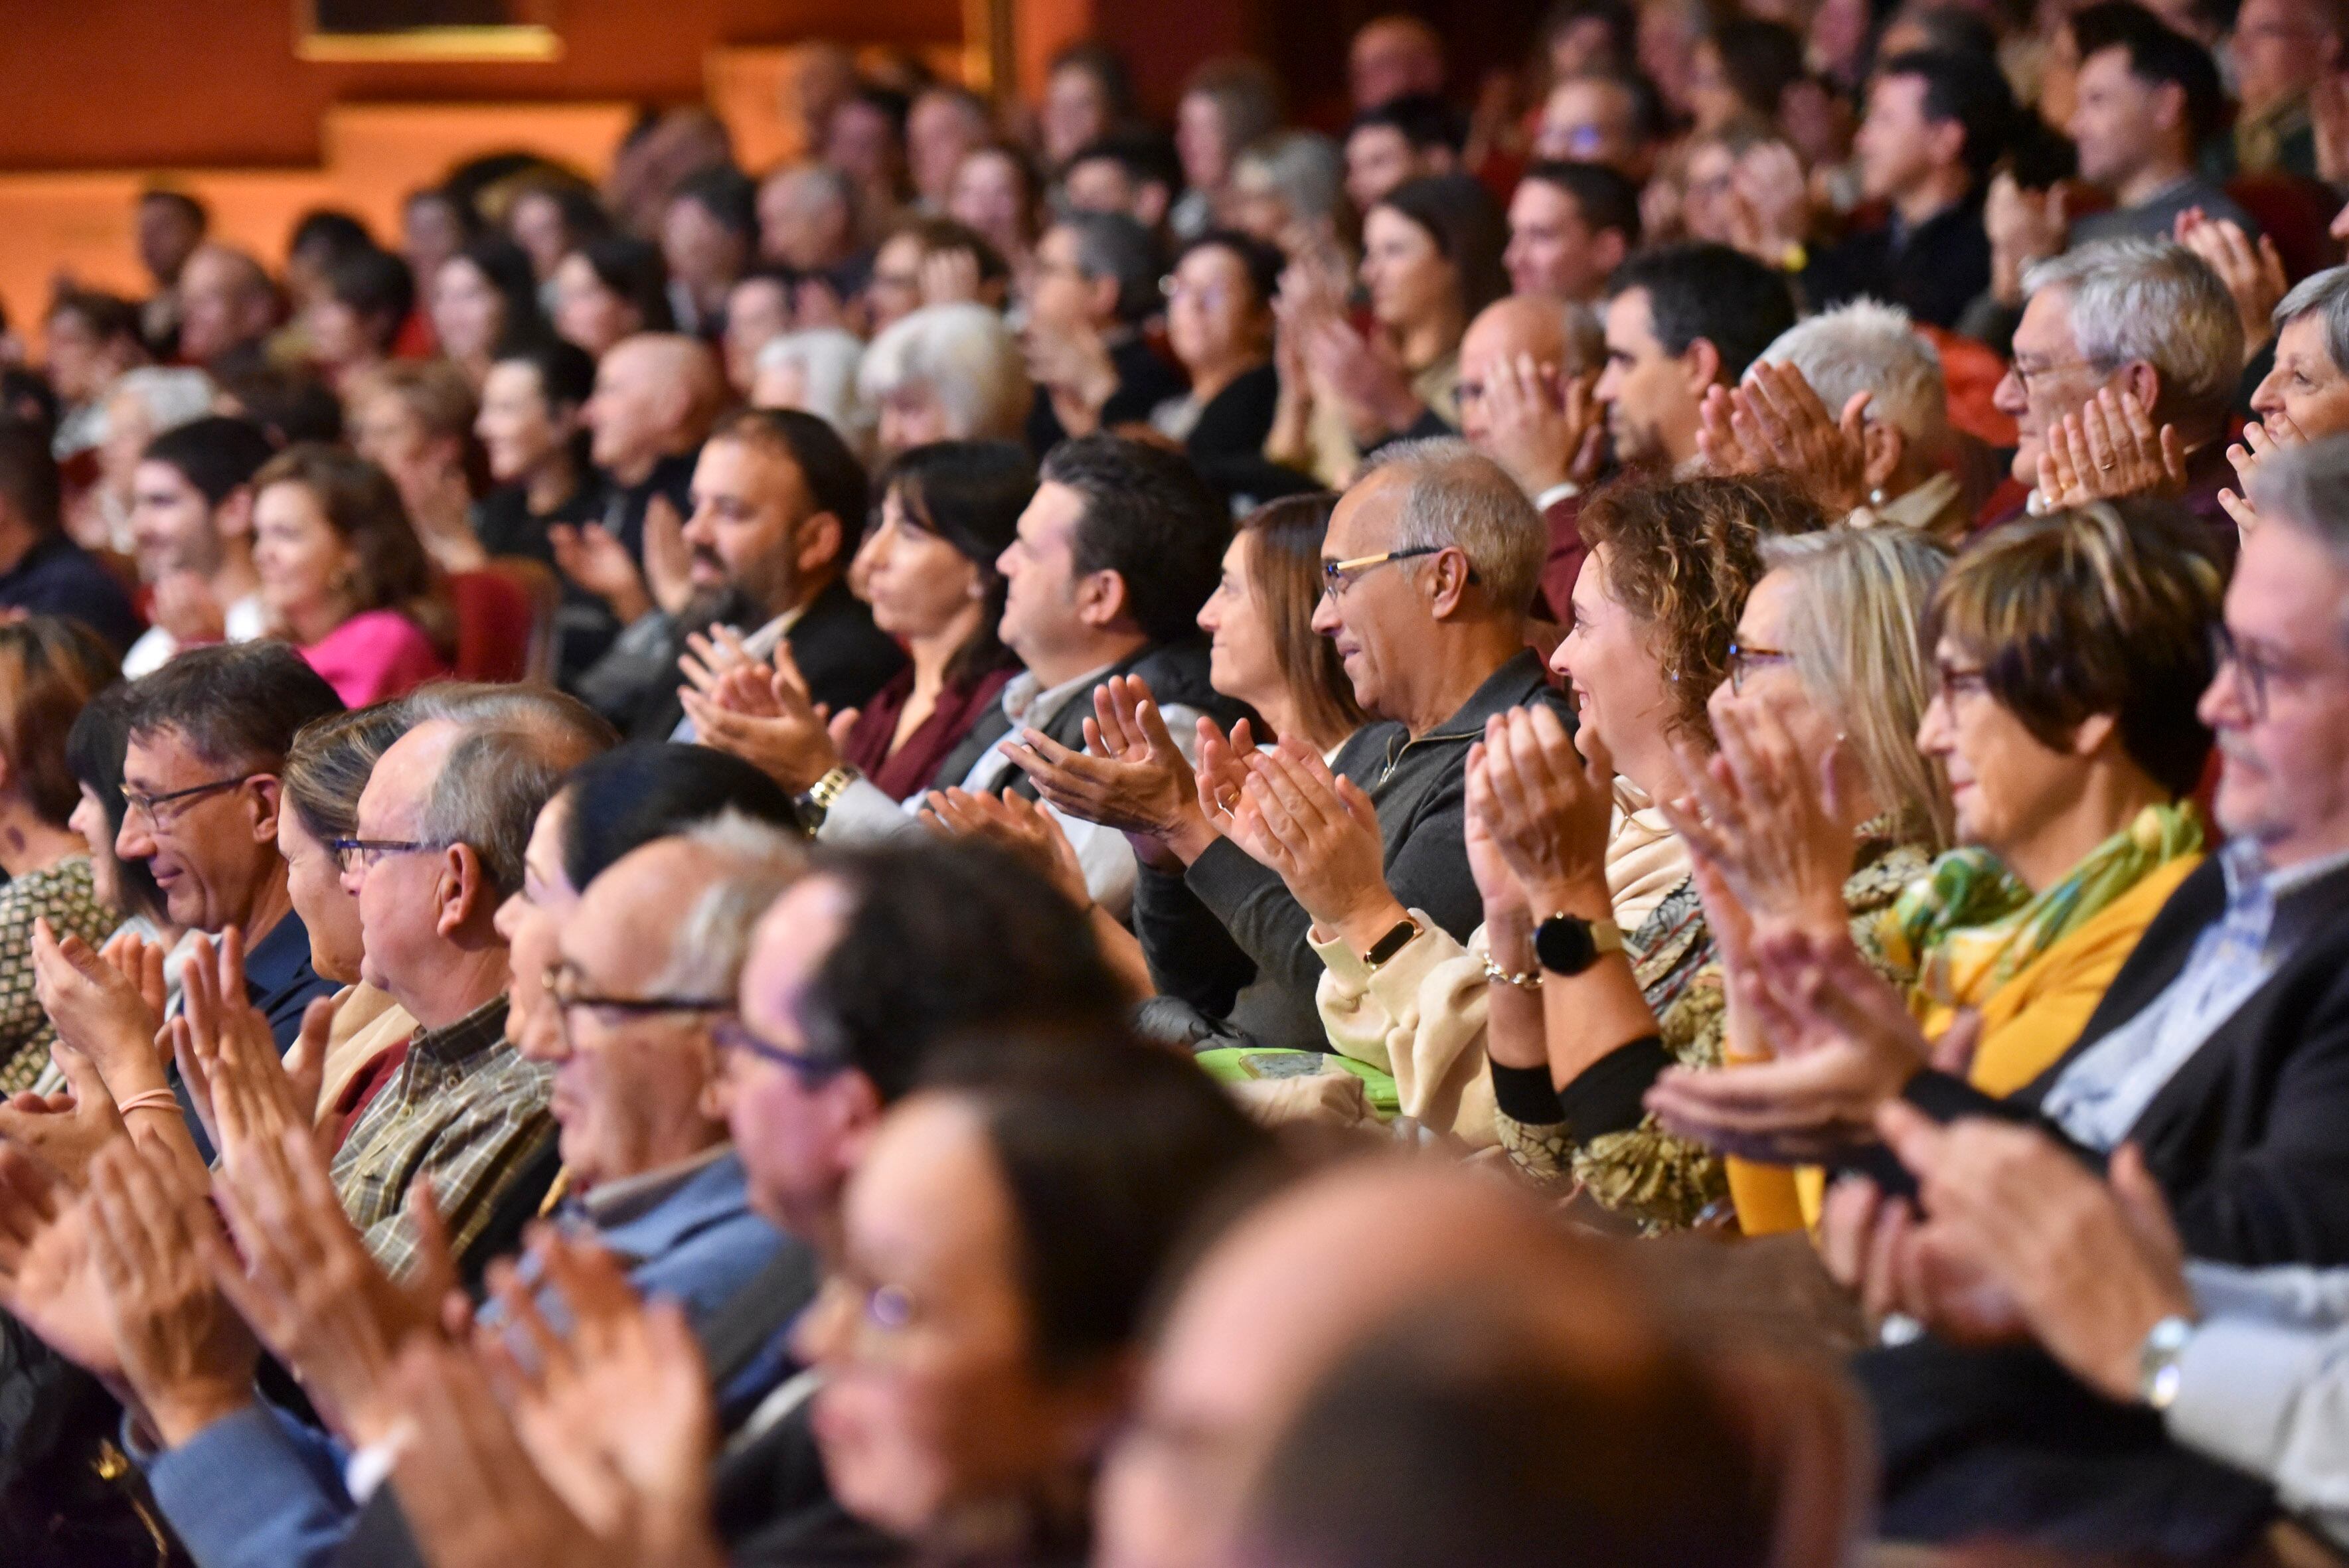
x=1622, y=23
x=1284, y=562
x=1115, y=245
x=507, y=267
x=886, y=101
x=1761, y=61
x=1261, y=262
x=1969, y=89
x=1147, y=157
x=1682, y=556
x=1676, y=1479
x=49, y=668
x=1952, y=29
x=459, y=202
x=1722, y=295
x=1104, y=65
x=632, y=269
x=1111, y=1153
x=1031, y=178
x=28, y=398
x=109, y=317
x=1422, y=120
x=328, y=233
x=93, y=751
x=1151, y=518
x=290, y=406
x=970, y=494
x=329, y=762
x=362, y=505
x=2158, y=56
x=566, y=372
x=644, y=790
x=218, y=454
x=935, y=234
x=834, y=479
x=943, y=940
x=584, y=217
x=1468, y=229
x=728, y=195
x=2107, y=609
x=1604, y=196
x=30, y=483
x=377, y=285
x=237, y=704
x=193, y=211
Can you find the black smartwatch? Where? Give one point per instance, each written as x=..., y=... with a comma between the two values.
x=1398, y=938
x=1568, y=944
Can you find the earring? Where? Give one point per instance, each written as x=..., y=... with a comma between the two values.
x=1875, y=495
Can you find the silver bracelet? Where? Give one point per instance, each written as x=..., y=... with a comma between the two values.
x=1530, y=980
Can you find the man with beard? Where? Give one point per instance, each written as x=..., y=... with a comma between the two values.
x=778, y=504
x=1679, y=321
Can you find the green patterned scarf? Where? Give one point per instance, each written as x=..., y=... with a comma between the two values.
x=1967, y=926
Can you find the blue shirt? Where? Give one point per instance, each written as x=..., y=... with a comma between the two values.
x=281, y=985
x=2099, y=1096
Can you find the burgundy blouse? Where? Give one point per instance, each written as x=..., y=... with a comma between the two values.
x=913, y=767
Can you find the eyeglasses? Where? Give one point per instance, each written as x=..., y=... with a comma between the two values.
x=731, y=1036
x=362, y=854
x=2025, y=375
x=150, y=806
x=884, y=1314
x=564, y=984
x=1953, y=683
x=2254, y=669
x=1742, y=662
x=1337, y=576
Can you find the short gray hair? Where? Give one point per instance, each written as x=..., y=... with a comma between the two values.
x=966, y=357
x=828, y=358
x=2328, y=291
x=707, y=952
x=515, y=745
x=2307, y=487
x=2155, y=301
x=1458, y=496
x=1867, y=347
x=1113, y=245
x=1304, y=167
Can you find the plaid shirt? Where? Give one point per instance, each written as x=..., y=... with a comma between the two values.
x=466, y=1109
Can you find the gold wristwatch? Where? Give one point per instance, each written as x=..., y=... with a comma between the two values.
x=816, y=804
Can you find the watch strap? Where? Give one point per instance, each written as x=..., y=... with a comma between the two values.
x=1398, y=938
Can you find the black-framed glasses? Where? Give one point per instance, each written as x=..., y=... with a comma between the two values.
x=2254, y=669
x=1337, y=576
x=564, y=984
x=732, y=1036
x=1745, y=661
x=150, y=806
x=1953, y=683
x=362, y=854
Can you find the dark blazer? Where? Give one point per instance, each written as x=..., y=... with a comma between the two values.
x=843, y=655
x=1227, y=937
x=1933, y=271
x=1144, y=380
x=2246, y=1139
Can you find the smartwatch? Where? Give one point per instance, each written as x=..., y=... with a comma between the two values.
x=1398, y=938
x=1568, y=944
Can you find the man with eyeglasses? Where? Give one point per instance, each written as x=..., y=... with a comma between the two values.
x=443, y=826
x=1095, y=283
x=2221, y=1052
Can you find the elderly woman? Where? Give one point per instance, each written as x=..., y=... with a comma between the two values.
x=814, y=371
x=1288, y=191
x=1431, y=260
x=1788, y=414
x=343, y=576
x=947, y=372
x=48, y=668
x=2306, y=396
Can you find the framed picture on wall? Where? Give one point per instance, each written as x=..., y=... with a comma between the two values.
x=426, y=30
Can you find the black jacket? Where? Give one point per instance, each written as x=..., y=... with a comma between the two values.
x=2246, y=1141
x=844, y=657
x=1933, y=271
x=1227, y=937
x=1144, y=381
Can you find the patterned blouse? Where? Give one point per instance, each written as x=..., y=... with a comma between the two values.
x=66, y=896
x=1661, y=1180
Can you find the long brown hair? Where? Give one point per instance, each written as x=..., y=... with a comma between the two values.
x=363, y=507
x=1284, y=566
x=50, y=667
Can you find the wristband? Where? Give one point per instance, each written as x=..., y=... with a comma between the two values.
x=149, y=1100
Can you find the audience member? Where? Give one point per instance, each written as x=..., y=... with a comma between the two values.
x=1095, y=281
x=1614, y=121
x=864, y=138
x=1570, y=226
x=609, y=289
x=814, y=371
x=90, y=338
x=1136, y=172
x=944, y=125
x=2301, y=398
x=656, y=396
x=1288, y=191
x=550, y=217
x=807, y=220
x=998, y=195
x=1088, y=94
x=483, y=300
x=2149, y=99
x=414, y=421
x=2280, y=51
x=1681, y=320
x=1527, y=364
x=94, y=753
x=192, y=518
x=140, y=405
x=1392, y=56
x=1398, y=141
x=1226, y=105
x=170, y=226
x=354, y=319
x=708, y=234
x=46, y=573
x=1219, y=326
x=946, y=373
x=226, y=306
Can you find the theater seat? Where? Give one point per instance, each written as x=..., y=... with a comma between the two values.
x=2293, y=212
x=505, y=621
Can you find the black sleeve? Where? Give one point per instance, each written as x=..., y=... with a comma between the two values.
x=1190, y=954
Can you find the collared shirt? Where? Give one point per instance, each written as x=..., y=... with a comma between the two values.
x=760, y=645
x=281, y=985
x=2108, y=1087
x=465, y=1109
x=1104, y=852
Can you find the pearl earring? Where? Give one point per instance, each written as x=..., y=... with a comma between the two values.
x=1875, y=495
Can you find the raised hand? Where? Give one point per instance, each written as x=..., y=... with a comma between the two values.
x=1363, y=376
x=64, y=1132
x=1767, y=821
x=669, y=561
x=1011, y=821
x=47, y=1281
x=2254, y=273
x=2109, y=449
x=766, y=717
x=593, y=556
x=1541, y=425
x=185, y=607
x=2262, y=438
x=252, y=1093
x=99, y=1010
x=2024, y=226
x=1504, y=894
x=1547, y=806
x=187, y=1357
x=1320, y=832
x=1778, y=417
x=1130, y=776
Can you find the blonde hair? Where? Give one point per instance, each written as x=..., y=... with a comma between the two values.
x=1856, y=637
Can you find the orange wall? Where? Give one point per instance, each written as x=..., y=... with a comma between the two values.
x=113, y=84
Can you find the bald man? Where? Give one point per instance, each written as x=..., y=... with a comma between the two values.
x=1340, y=1254
x=1392, y=56
x=226, y=304
x=656, y=394
x=1518, y=362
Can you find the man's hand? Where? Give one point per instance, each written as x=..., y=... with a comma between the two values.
x=1780, y=423
x=766, y=717
x=593, y=557
x=1320, y=832
x=669, y=561
x=2107, y=450
x=1542, y=427
x=1130, y=776
x=184, y=1353
x=2024, y=226
x=2090, y=1267
x=1845, y=1044
x=252, y=1095
x=1547, y=806
x=2253, y=273
x=98, y=1010
x=1365, y=379
x=1014, y=822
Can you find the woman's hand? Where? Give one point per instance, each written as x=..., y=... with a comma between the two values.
x=593, y=556
x=1549, y=806
x=1320, y=834
x=1504, y=894
x=99, y=1010
x=1766, y=821
x=1365, y=377
x=2262, y=438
